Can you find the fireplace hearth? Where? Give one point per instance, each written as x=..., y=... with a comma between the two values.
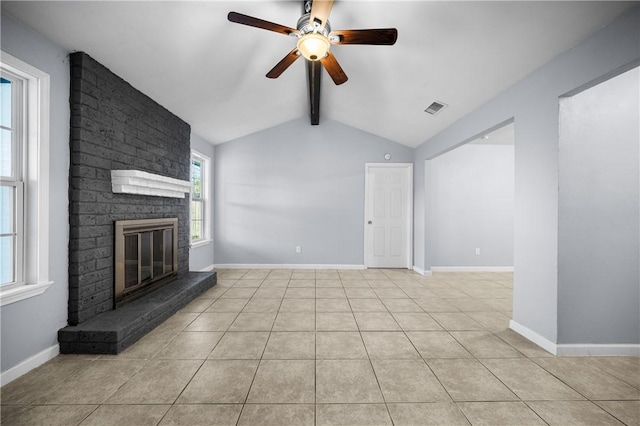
x=113, y=331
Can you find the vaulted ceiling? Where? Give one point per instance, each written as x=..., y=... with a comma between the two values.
x=211, y=73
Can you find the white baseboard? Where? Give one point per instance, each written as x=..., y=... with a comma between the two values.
x=29, y=364
x=536, y=338
x=207, y=269
x=472, y=268
x=285, y=266
x=421, y=271
x=565, y=349
x=598, y=350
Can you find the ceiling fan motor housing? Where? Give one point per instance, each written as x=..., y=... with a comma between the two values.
x=305, y=26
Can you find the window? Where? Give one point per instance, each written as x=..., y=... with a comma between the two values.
x=200, y=217
x=24, y=169
x=12, y=180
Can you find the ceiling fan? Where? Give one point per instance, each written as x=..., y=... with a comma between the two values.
x=315, y=38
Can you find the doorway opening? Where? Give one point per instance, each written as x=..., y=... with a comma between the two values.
x=472, y=201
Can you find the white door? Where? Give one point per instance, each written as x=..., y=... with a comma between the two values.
x=388, y=215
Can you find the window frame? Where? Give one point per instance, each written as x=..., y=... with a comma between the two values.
x=16, y=179
x=205, y=198
x=34, y=160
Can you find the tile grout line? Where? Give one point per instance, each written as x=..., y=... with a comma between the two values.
x=386, y=406
x=254, y=373
x=315, y=356
x=203, y=361
x=433, y=372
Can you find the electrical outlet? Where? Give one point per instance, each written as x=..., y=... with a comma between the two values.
x=477, y=251
x=298, y=249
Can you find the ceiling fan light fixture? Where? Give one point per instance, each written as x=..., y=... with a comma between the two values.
x=313, y=46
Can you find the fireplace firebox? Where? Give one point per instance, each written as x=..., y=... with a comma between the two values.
x=146, y=256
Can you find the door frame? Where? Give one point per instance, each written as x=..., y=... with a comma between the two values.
x=409, y=218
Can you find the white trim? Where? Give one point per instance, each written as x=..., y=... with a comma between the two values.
x=143, y=183
x=598, y=350
x=285, y=266
x=200, y=243
x=421, y=271
x=536, y=338
x=16, y=294
x=472, y=268
x=206, y=180
x=565, y=349
x=409, y=246
x=208, y=268
x=36, y=246
x=29, y=364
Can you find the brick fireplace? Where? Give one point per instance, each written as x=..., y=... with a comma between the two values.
x=116, y=127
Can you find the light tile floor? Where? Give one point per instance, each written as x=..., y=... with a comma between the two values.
x=283, y=347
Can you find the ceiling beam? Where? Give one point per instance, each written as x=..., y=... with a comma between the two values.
x=314, y=77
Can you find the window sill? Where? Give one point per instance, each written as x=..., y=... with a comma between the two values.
x=23, y=292
x=200, y=243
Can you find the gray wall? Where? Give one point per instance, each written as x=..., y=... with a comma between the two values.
x=472, y=206
x=30, y=326
x=295, y=184
x=202, y=257
x=598, y=283
x=533, y=103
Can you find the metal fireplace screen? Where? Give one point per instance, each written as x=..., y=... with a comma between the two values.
x=146, y=256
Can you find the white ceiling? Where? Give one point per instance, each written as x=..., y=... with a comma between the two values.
x=210, y=72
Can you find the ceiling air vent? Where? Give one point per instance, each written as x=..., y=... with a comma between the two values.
x=435, y=108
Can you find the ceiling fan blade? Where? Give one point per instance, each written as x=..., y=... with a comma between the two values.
x=239, y=18
x=314, y=77
x=284, y=64
x=320, y=10
x=380, y=36
x=334, y=69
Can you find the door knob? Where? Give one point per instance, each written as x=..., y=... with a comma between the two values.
x=369, y=222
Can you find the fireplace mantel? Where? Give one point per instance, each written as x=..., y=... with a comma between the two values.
x=144, y=183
